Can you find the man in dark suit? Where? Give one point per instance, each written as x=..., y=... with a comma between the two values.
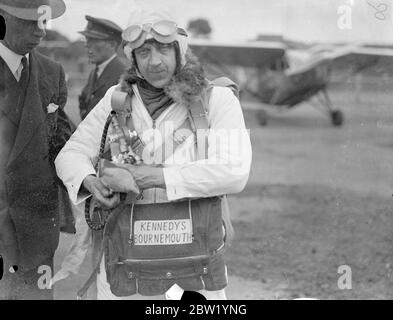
x=103, y=38
x=33, y=129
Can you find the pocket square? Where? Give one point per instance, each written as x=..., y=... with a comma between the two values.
x=52, y=107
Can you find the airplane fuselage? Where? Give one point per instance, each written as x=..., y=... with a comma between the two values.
x=291, y=89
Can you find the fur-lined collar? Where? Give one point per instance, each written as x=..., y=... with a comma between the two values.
x=186, y=85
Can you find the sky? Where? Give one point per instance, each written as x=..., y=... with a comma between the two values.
x=368, y=21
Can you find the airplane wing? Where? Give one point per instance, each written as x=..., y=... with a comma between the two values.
x=243, y=62
x=363, y=58
x=352, y=59
x=255, y=54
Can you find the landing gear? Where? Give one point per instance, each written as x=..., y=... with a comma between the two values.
x=336, y=116
x=262, y=117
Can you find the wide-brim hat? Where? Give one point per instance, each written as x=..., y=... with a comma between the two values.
x=101, y=29
x=34, y=9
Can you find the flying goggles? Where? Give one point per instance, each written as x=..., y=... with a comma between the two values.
x=163, y=31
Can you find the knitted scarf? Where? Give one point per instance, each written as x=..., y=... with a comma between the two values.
x=155, y=99
x=186, y=85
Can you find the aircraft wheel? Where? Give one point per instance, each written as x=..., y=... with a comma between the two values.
x=262, y=117
x=337, y=117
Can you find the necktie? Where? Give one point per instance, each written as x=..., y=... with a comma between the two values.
x=24, y=78
x=92, y=84
x=95, y=77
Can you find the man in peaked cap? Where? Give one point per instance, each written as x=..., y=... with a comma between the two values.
x=33, y=128
x=103, y=38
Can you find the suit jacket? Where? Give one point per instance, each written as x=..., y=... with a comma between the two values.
x=29, y=213
x=109, y=77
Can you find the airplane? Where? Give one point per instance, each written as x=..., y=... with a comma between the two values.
x=283, y=78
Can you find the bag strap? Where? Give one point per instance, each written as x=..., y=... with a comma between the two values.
x=198, y=113
x=108, y=230
x=228, y=83
x=199, y=118
x=197, y=121
x=81, y=294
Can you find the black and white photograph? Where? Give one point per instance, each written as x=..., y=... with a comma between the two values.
x=230, y=150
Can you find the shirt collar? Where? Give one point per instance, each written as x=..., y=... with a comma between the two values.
x=103, y=65
x=12, y=59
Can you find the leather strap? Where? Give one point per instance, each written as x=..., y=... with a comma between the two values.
x=197, y=120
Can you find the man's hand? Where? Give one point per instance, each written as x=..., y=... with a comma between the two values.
x=147, y=176
x=117, y=178
x=103, y=194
